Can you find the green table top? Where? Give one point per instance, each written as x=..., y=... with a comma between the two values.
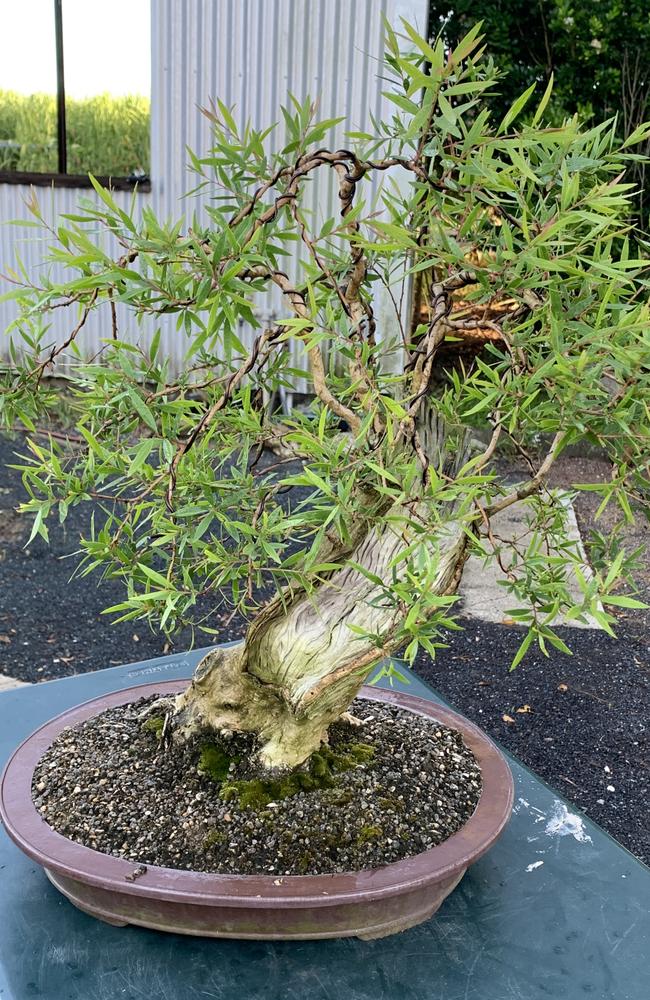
x=557, y=909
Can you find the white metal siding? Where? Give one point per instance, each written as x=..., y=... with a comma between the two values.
x=30, y=245
x=251, y=54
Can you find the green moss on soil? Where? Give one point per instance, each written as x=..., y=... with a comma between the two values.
x=367, y=833
x=390, y=802
x=154, y=724
x=340, y=796
x=319, y=772
x=214, y=762
x=214, y=837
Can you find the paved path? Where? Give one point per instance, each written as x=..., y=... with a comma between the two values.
x=8, y=682
x=484, y=597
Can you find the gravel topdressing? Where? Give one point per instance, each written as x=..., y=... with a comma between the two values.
x=110, y=785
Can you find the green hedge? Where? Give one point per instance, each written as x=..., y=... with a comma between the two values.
x=106, y=135
x=598, y=53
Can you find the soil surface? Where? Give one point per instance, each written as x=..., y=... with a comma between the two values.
x=391, y=788
x=586, y=731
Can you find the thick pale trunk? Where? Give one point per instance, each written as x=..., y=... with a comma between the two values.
x=224, y=695
x=294, y=676
x=301, y=665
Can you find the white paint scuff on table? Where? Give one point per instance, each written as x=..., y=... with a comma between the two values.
x=562, y=823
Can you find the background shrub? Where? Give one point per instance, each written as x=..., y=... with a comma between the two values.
x=598, y=53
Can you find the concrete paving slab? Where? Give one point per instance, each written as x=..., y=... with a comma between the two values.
x=6, y=683
x=484, y=597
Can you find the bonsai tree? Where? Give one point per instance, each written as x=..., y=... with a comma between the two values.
x=506, y=227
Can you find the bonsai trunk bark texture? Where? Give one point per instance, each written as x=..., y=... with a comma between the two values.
x=301, y=664
x=297, y=673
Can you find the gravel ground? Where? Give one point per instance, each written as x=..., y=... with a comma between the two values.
x=579, y=722
x=108, y=784
x=50, y=627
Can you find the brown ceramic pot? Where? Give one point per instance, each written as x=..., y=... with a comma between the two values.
x=366, y=904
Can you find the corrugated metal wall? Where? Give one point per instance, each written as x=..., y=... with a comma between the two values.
x=30, y=246
x=250, y=54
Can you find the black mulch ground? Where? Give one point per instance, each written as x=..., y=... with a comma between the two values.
x=583, y=721
x=586, y=732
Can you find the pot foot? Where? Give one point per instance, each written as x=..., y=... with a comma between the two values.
x=113, y=921
x=65, y=886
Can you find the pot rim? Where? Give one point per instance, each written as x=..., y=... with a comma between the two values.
x=31, y=833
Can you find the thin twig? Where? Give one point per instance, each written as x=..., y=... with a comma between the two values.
x=534, y=483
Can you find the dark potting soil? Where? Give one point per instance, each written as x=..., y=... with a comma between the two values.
x=394, y=787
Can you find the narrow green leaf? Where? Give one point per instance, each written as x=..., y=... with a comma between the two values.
x=142, y=409
x=544, y=101
x=516, y=108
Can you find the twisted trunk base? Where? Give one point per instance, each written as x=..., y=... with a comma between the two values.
x=303, y=660
x=223, y=695
x=298, y=671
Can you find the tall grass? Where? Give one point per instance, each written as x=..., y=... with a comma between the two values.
x=105, y=135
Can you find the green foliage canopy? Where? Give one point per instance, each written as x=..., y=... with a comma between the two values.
x=585, y=46
x=598, y=54
x=499, y=207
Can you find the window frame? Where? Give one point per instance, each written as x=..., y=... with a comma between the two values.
x=61, y=178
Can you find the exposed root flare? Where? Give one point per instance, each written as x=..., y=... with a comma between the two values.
x=159, y=706
x=352, y=719
x=166, y=732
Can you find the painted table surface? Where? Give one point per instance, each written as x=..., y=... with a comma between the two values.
x=556, y=910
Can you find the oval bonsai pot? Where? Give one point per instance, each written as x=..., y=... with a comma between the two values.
x=365, y=904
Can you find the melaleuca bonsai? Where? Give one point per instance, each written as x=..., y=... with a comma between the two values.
x=509, y=226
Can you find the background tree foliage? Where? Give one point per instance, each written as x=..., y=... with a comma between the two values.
x=598, y=53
